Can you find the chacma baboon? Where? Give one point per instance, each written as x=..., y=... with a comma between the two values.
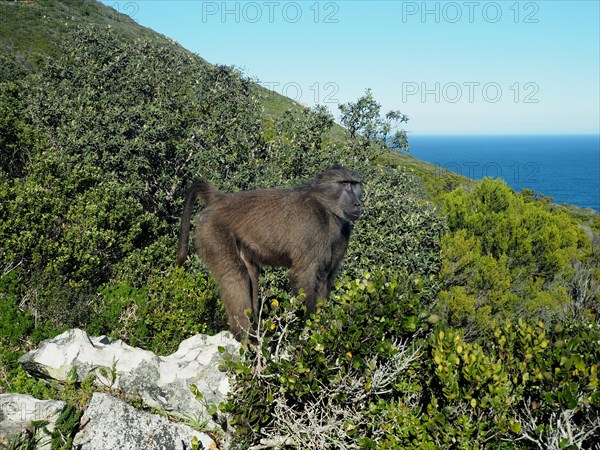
x=304, y=229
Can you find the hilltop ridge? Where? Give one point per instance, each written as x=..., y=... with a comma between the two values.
x=33, y=30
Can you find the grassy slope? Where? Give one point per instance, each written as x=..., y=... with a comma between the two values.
x=35, y=28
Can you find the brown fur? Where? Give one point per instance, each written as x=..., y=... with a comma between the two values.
x=305, y=229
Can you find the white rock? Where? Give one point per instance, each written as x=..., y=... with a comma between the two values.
x=162, y=382
x=109, y=423
x=55, y=357
x=17, y=411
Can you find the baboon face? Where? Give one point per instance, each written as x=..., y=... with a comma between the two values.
x=350, y=199
x=352, y=195
x=344, y=191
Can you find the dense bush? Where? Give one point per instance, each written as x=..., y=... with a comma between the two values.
x=366, y=373
x=147, y=115
x=315, y=385
x=66, y=231
x=399, y=230
x=295, y=143
x=92, y=182
x=18, y=323
x=506, y=256
x=17, y=136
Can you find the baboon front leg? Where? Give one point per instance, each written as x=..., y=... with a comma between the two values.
x=313, y=282
x=253, y=271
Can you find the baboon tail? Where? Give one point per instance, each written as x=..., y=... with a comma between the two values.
x=208, y=193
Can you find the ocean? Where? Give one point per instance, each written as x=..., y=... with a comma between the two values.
x=564, y=167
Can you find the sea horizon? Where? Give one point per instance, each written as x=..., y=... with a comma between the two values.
x=565, y=167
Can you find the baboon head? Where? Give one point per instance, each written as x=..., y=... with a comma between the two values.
x=342, y=192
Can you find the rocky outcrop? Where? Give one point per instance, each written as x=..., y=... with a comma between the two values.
x=18, y=412
x=161, y=382
x=109, y=423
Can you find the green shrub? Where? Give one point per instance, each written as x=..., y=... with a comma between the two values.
x=364, y=373
x=119, y=313
x=316, y=384
x=17, y=136
x=522, y=375
x=399, y=230
x=505, y=256
x=296, y=146
x=173, y=306
x=22, y=324
x=180, y=305
x=18, y=326
x=66, y=233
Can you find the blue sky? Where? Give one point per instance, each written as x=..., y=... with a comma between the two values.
x=465, y=67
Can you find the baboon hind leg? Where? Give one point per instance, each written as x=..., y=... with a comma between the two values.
x=236, y=293
x=222, y=256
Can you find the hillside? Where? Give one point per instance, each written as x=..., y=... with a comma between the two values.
x=35, y=29
x=458, y=306
x=32, y=30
